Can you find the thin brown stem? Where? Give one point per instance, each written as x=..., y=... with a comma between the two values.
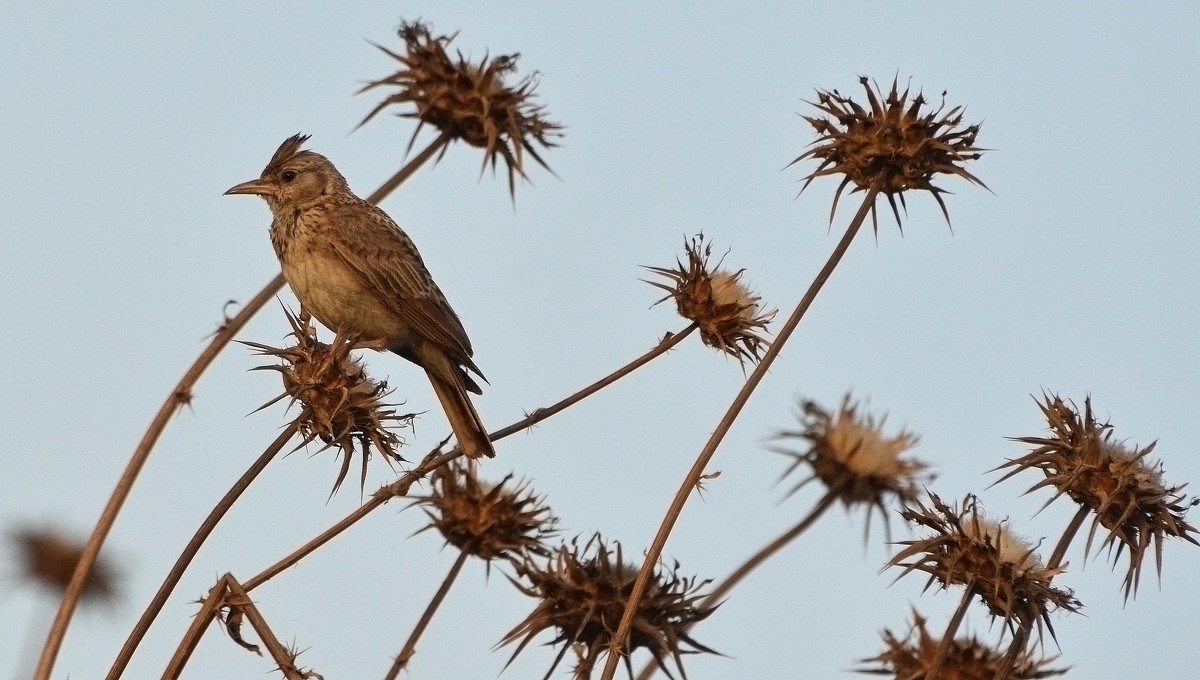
x=754, y=561
x=668, y=342
x=410, y=167
x=286, y=660
x=189, y=552
x=710, y=448
x=208, y=611
x=1060, y=550
x=436, y=459
x=180, y=396
x=410, y=645
x=951, y=631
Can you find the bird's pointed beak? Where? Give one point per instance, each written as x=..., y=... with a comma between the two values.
x=255, y=187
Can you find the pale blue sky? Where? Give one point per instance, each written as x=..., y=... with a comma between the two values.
x=123, y=123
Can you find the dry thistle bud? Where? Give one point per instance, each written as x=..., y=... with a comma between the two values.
x=488, y=521
x=1120, y=486
x=986, y=558
x=894, y=146
x=852, y=457
x=965, y=658
x=467, y=101
x=343, y=406
x=50, y=558
x=728, y=314
x=582, y=594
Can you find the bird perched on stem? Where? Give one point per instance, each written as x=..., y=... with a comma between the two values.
x=358, y=273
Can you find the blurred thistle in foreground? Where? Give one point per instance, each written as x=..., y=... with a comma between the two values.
x=488, y=521
x=49, y=557
x=894, y=146
x=1120, y=485
x=343, y=406
x=729, y=315
x=582, y=593
x=467, y=101
x=965, y=658
x=849, y=453
x=986, y=558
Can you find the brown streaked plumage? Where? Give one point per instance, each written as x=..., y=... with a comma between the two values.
x=356, y=271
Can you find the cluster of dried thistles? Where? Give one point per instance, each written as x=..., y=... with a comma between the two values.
x=964, y=658
x=1120, y=486
x=892, y=147
x=467, y=101
x=343, y=406
x=986, y=558
x=849, y=453
x=488, y=521
x=729, y=315
x=50, y=557
x=582, y=593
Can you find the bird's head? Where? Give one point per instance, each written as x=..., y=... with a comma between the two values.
x=294, y=177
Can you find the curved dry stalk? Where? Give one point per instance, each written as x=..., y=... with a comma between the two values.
x=410, y=645
x=187, y=644
x=434, y=459
x=754, y=561
x=180, y=396
x=710, y=448
x=189, y=551
x=951, y=630
x=1060, y=550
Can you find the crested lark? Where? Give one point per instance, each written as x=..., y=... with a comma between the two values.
x=357, y=272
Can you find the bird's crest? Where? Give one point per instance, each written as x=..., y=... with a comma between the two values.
x=290, y=147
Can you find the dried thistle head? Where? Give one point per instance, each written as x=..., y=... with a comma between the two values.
x=729, y=315
x=894, y=146
x=343, y=406
x=965, y=658
x=582, y=592
x=994, y=564
x=488, y=521
x=467, y=101
x=850, y=454
x=1120, y=486
x=49, y=558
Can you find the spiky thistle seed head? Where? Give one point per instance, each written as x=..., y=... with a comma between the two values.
x=343, y=406
x=49, y=557
x=489, y=521
x=729, y=315
x=894, y=146
x=467, y=100
x=1002, y=569
x=582, y=592
x=850, y=454
x=965, y=658
x=1120, y=486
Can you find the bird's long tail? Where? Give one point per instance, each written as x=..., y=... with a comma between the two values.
x=464, y=420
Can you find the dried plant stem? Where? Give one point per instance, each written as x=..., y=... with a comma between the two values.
x=435, y=459
x=1060, y=550
x=410, y=167
x=238, y=598
x=180, y=396
x=710, y=448
x=410, y=645
x=754, y=561
x=189, y=552
x=668, y=342
x=208, y=611
x=951, y=630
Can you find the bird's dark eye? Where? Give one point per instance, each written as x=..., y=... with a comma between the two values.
x=287, y=175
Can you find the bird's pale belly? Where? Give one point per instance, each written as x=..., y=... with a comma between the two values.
x=334, y=294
